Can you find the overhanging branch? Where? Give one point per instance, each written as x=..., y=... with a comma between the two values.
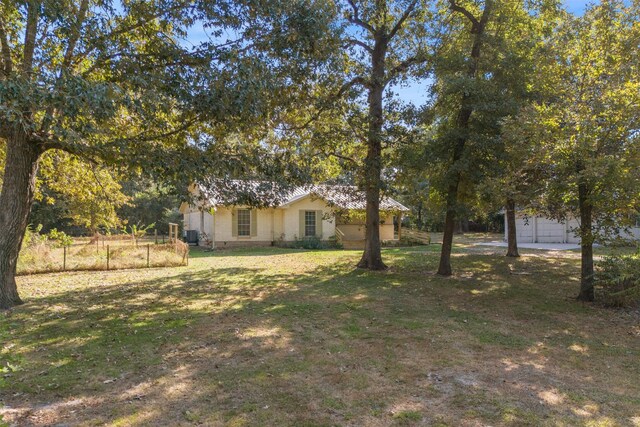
x=402, y=19
x=354, y=18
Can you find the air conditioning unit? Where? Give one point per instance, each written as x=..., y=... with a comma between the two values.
x=192, y=237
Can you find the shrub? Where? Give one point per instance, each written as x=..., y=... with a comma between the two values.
x=59, y=238
x=32, y=236
x=309, y=243
x=618, y=279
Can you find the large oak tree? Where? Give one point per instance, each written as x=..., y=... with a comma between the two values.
x=115, y=81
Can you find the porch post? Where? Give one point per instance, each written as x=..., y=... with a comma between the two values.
x=399, y=225
x=212, y=211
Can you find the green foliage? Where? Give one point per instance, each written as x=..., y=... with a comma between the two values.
x=618, y=277
x=331, y=124
x=150, y=203
x=590, y=116
x=89, y=194
x=59, y=238
x=32, y=236
x=407, y=417
x=501, y=84
x=137, y=231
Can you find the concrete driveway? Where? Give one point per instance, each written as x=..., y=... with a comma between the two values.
x=541, y=246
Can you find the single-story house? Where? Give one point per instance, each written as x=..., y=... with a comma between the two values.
x=540, y=229
x=322, y=211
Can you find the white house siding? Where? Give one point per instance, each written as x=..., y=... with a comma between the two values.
x=192, y=220
x=291, y=218
x=387, y=231
x=276, y=224
x=224, y=237
x=355, y=230
x=352, y=231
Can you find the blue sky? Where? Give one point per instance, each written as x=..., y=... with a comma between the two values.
x=576, y=6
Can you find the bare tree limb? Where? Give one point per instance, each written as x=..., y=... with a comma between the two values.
x=66, y=60
x=30, y=36
x=457, y=8
x=354, y=18
x=402, y=19
x=328, y=153
x=6, y=50
x=404, y=66
x=75, y=35
x=360, y=43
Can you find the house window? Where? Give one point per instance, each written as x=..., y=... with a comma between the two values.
x=244, y=222
x=309, y=223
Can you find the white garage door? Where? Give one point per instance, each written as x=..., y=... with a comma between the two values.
x=545, y=230
x=525, y=230
x=550, y=231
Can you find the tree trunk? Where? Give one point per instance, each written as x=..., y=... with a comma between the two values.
x=372, y=256
x=462, y=127
x=16, y=198
x=512, y=241
x=444, y=269
x=587, y=292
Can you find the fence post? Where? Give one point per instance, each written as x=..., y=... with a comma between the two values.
x=64, y=259
x=155, y=232
x=163, y=238
x=107, y=257
x=97, y=244
x=148, y=255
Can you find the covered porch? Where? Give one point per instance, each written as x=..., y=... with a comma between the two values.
x=350, y=229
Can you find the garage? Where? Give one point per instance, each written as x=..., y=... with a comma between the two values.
x=537, y=229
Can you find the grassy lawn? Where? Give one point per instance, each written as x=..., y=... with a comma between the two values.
x=284, y=337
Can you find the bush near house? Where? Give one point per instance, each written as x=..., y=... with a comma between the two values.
x=310, y=243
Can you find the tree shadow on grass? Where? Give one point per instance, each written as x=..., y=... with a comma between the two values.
x=252, y=344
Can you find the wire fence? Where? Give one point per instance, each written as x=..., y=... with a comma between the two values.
x=103, y=253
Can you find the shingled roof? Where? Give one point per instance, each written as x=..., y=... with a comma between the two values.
x=339, y=196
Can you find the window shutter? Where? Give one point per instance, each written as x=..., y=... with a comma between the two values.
x=319, y=224
x=234, y=223
x=301, y=219
x=254, y=222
